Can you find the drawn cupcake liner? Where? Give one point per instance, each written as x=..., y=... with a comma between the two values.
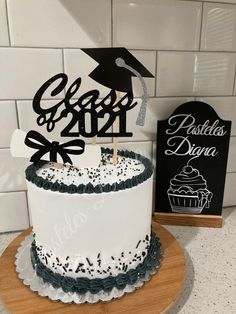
x=187, y=203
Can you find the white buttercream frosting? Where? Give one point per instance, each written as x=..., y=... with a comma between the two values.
x=106, y=173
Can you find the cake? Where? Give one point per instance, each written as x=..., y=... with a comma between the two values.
x=92, y=226
x=188, y=192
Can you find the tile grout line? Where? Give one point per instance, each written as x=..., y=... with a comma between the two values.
x=8, y=24
x=234, y=81
x=112, y=29
x=151, y=97
x=124, y=142
x=17, y=114
x=63, y=60
x=206, y=1
x=15, y=191
x=129, y=48
x=27, y=206
x=155, y=87
x=63, y=67
x=200, y=34
x=30, y=99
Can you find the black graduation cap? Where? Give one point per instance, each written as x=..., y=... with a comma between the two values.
x=109, y=74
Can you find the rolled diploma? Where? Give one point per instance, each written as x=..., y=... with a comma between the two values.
x=90, y=158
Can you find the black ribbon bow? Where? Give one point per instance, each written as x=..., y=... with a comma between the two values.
x=35, y=140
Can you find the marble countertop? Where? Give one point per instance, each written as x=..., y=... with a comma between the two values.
x=210, y=284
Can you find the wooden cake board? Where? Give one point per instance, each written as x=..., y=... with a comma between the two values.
x=156, y=296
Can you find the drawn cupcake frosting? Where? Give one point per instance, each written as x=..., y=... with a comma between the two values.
x=188, y=192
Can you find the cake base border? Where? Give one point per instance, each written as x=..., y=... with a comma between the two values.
x=28, y=275
x=156, y=296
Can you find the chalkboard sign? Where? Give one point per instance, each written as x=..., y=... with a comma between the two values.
x=192, y=151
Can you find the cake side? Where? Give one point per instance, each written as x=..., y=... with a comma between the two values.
x=93, y=235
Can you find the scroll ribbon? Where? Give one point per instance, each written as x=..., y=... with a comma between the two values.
x=37, y=141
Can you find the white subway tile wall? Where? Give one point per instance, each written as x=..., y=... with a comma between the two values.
x=195, y=73
x=12, y=172
x=13, y=211
x=225, y=108
x=4, y=37
x=8, y=121
x=219, y=27
x=156, y=24
x=24, y=70
x=60, y=23
x=189, y=46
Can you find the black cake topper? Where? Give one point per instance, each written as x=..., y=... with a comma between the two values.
x=38, y=141
x=110, y=73
x=192, y=151
x=116, y=66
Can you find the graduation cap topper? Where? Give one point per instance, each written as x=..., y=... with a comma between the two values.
x=111, y=74
x=115, y=69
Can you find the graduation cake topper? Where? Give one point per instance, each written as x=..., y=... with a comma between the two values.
x=115, y=69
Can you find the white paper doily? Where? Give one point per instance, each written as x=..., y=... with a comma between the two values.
x=29, y=277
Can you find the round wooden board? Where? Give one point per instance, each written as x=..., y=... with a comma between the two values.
x=156, y=296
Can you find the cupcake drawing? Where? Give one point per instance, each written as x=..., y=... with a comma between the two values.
x=188, y=192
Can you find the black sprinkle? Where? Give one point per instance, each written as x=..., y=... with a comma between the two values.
x=138, y=244
x=90, y=264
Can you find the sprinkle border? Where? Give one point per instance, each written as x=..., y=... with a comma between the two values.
x=81, y=285
x=32, y=177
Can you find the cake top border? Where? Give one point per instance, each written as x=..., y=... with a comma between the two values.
x=31, y=176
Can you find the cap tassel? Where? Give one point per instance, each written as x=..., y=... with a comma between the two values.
x=142, y=111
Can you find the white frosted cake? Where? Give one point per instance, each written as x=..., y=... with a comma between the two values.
x=92, y=226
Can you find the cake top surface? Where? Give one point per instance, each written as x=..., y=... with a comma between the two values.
x=130, y=170
x=106, y=173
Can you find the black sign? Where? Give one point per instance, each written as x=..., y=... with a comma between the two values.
x=192, y=151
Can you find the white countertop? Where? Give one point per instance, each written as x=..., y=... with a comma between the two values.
x=210, y=285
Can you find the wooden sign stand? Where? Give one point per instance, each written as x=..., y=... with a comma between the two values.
x=209, y=221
